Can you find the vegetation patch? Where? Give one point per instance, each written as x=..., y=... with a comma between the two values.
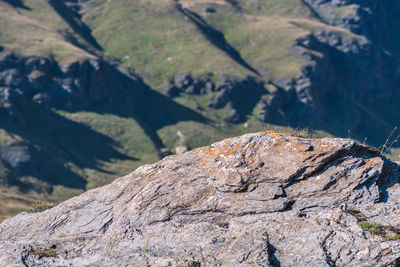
x=390, y=238
x=388, y=232
x=373, y=228
x=44, y=252
x=299, y=132
x=41, y=206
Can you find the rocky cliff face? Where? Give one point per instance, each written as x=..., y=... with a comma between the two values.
x=360, y=71
x=33, y=88
x=260, y=199
x=39, y=85
x=73, y=86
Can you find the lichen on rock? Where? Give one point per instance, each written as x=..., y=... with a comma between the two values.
x=262, y=199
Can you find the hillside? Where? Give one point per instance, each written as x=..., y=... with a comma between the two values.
x=91, y=89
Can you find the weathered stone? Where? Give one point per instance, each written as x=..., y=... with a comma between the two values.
x=181, y=149
x=182, y=80
x=260, y=199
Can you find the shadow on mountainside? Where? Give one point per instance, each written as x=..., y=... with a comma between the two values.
x=216, y=38
x=54, y=141
x=314, y=12
x=75, y=22
x=129, y=96
x=17, y=4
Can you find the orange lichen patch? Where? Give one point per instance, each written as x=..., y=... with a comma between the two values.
x=324, y=146
x=269, y=132
x=319, y=222
x=224, y=148
x=372, y=162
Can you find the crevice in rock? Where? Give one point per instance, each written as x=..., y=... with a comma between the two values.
x=165, y=219
x=287, y=205
x=328, y=257
x=322, y=166
x=270, y=250
x=24, y=259
x=105, y=227
x=54, y=226
x=283, y=195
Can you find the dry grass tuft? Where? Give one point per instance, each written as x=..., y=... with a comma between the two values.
x=295, y=132
x=386, y=231
x=44, y=252
x=299, y=132
x=41, y=206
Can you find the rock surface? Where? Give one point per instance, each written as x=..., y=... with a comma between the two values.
x=260, y=199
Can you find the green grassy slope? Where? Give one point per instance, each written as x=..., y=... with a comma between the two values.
x=38, y=31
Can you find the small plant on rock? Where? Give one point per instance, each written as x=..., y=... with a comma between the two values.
x=41, y=206
x=373, y=228
x=44, y=252
x=388, y=232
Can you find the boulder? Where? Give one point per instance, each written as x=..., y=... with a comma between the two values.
x=182, y=81
x=262, y=199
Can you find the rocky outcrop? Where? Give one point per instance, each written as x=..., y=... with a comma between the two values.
x=183, y=82
x=357, y=70
x=77, y=85
x=239, y=95
x=260, y=199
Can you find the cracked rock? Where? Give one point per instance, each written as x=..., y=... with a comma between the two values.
x=262, y=199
